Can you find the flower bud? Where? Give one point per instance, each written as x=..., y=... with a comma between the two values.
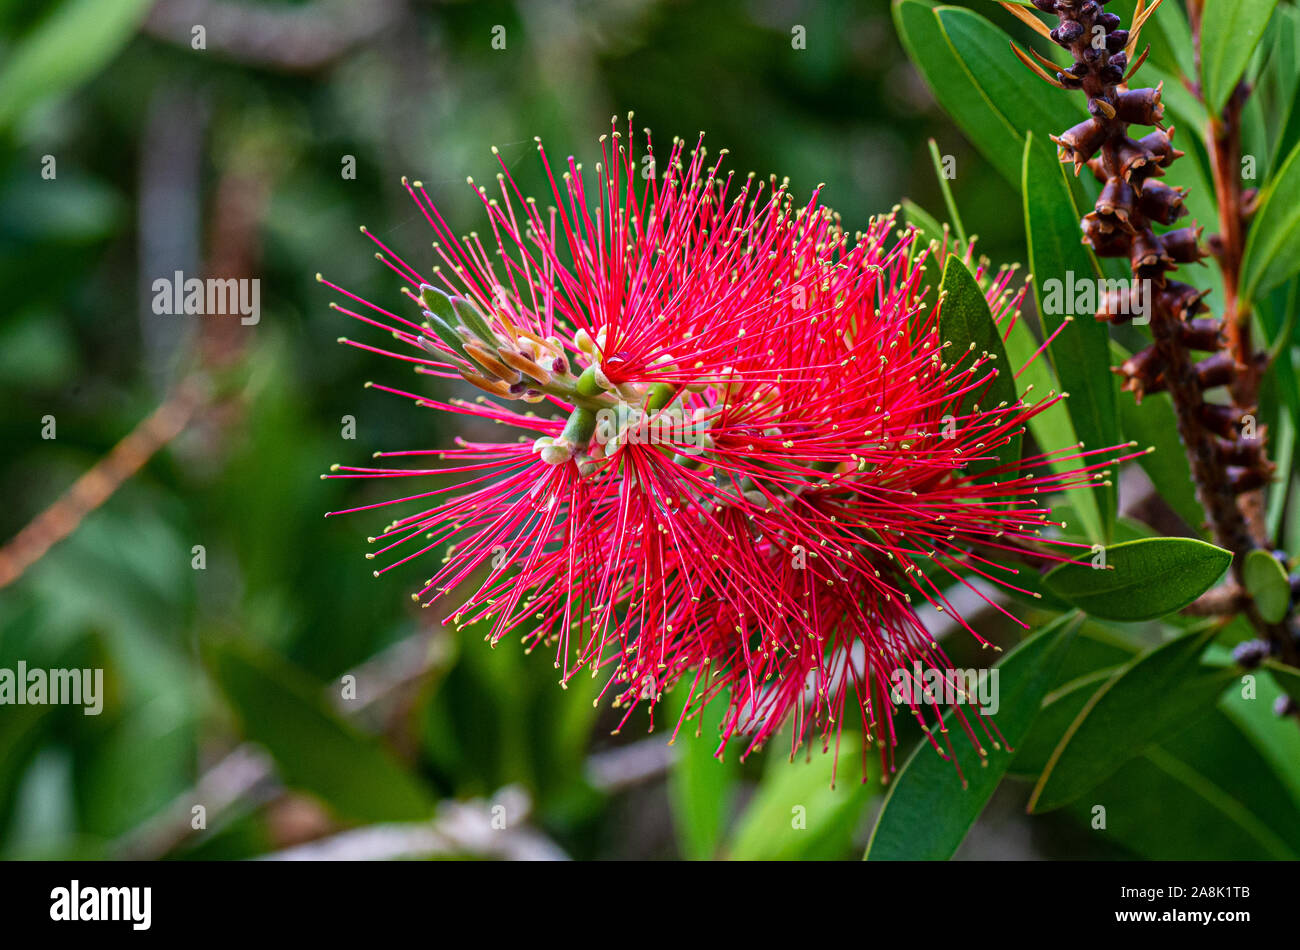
x=1140, y=106
x=1080, y=143
x=1161, y=203
x=438, y=302
x=1183, y=245
x=473, y=320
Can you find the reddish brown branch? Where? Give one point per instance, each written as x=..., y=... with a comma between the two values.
x=1225, y=452
x=95, y=487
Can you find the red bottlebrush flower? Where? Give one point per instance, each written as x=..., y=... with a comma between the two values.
x=754, y=464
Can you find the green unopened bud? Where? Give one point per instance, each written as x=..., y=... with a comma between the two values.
x=473, y=320
x=580, y=428
x=587, y=384
x=556, y=454
x=660, y=395
x=438, y=303
x=448, y=336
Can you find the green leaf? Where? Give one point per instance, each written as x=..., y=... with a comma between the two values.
x=1268, y=585
x=966, y=322
x=1170, y=37
x=1273, y=245
x=1153, y=425
x=64, y=50
x=1219, y=790
x=701, y=787
x=954, y=217
x=1287, y=677
x=796, y=813
x=1060, y=708
x=1160, y=807
x=314, y=749
x=1150, y=699
x=1276, y=739
x=1230, y=30
x=923, y=221
x=928, y=813
x=1052, y=426
x=1080, y=354
x=952, y=46
x=1141, y=580
x=1281, y=82
x=1094, y=657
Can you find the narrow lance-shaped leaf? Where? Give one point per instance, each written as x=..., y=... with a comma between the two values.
x=1151, y=699
x=1287, y=677
x=966, y=323
x=1273, y=245
x=1052, y=426
x=928, y=813
x=1140, y=580
x=923, y=221
x=1080, y=353
x=1230, y=30
x=993, y=110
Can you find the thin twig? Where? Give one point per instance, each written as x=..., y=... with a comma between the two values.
x=107, y=475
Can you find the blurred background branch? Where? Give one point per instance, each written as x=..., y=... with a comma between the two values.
x=300, y=38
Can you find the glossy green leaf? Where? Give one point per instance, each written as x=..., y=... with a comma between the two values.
x=966, y=323
x=1141, y=580
x=1217, y=790
x=68, y=47
x=1268, y=585
x=1230, y=30
x=796, y=813
x=1170, y=37
x=1159, y=807
x=1276, y=739
x=1273, y=245
x=968, y=65
x=1095, y=656
x=1080, y=354
x=928, y=812
x=1060, y=708
x=1051, y=427
x=313, y=747
x=1149, y=700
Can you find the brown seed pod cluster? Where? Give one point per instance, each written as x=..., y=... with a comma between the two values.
x=1225, y=447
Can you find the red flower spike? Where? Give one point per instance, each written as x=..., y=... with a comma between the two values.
x=757, y=471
